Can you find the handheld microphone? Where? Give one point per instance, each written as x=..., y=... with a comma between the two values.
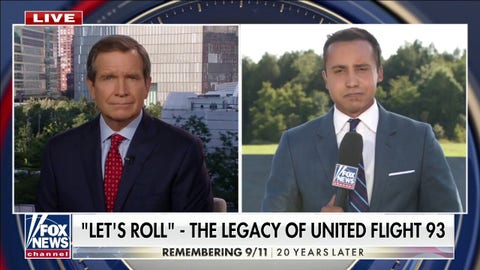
x=345, y=176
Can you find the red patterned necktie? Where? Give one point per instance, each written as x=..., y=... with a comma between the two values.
x=113, y=171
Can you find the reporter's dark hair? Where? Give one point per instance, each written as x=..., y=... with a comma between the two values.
x=352, y=34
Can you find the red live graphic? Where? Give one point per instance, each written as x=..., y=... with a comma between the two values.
x=53, y=17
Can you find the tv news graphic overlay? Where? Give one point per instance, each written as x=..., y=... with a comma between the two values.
x=345, y=175
x=53, y=17
x=266, y=236
x=47, y=236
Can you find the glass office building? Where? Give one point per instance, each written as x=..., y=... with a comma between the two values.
x=185, y=58
x=35, y=57
x=50, y=61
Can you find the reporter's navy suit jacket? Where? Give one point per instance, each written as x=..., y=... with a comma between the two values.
x=165, y=172
x=411, y=173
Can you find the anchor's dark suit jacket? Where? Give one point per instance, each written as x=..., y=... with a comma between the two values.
x=411, y=173
x=165, y=172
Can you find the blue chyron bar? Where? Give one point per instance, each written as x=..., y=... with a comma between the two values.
x=246, y=12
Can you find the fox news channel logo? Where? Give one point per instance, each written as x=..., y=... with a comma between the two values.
x=47, y=236
x=345, y=176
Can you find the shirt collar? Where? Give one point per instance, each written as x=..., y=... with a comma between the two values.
x=369, y=118
x=127, y=132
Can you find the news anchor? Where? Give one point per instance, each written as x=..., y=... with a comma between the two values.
x=403, y=166
x=124, y=160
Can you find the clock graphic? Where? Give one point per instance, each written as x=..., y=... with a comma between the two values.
x=250, y=11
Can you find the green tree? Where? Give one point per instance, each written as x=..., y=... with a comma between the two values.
x=267, y=123
x=23, y=141
x=426, y=85
x=275, y=110
x=222, y=162
x=381, y=95
x=403, y=97
x=35, y=123
x=223, y=168
x=321, y=103
x=294, y=104
x=406, y=62
x=442, y=97
x=26, y=186
x=195, y=126
x=80, y=119
x=154, y=110
x=409, y=87
x=249, y=95
x=267, y=70
x=288, y=71
x=309, y=72
x=459, y=68
x=460, y=130
x=296, y=76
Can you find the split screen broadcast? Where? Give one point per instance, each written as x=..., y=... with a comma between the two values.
x=238, y=141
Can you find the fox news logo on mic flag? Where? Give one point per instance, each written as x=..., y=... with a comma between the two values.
x=345, y=176
x=47, y=236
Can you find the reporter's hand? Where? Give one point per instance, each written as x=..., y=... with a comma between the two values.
x=330, y=207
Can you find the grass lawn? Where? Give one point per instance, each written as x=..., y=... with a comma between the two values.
x=259, y=149
x=450, y=149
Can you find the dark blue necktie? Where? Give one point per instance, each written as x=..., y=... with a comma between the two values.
x=358, y=196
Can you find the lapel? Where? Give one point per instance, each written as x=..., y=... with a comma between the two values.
x=327, y=147
x=143, y=143
x=386, y=132
x=90, y=150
